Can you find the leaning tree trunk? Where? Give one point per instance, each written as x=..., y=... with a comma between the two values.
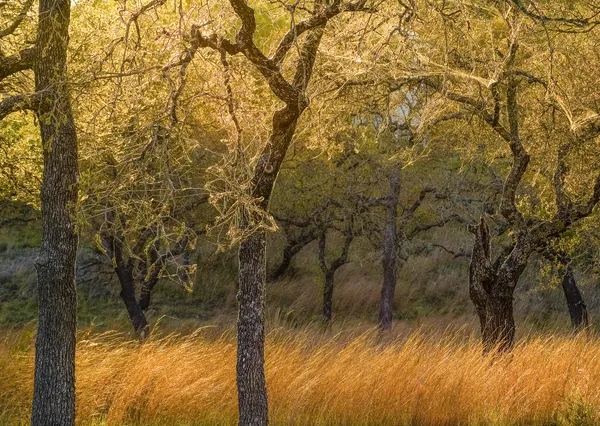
x=124, y=270
x=134, y=310
x=388, y=288
x=575, y=303
x=54, y=381
x=286, y=261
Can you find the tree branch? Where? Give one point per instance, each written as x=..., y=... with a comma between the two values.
x=508, y=208
x=24, y=102
x=20, y=61
x=18, y=20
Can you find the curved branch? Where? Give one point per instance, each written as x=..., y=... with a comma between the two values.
x=16, y=103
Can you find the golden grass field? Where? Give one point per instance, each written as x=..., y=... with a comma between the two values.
x=320, y=378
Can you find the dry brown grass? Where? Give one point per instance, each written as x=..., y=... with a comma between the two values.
x=316, y=378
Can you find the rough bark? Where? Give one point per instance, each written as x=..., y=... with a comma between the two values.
x=480, y=271
x=575, y=302
x=54, y=381
x=491, y=289
x=388, y=288
x=499, y=329
x=252, y=391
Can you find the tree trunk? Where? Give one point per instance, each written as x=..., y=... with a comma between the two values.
x=124, y=271
x=146, y=291
x=494, y=308
x=386, y=303
x=54, y=381
x=575, y=303
x=388, y=288
x=478, y=296
x=136, y=314
x=499, y=329
x=252, y=391
x=250, y=379
x=491, y=289
x=328, y=296
x=285, y=262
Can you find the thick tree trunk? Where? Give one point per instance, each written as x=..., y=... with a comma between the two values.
x=250, y=379
x=54, y=381
x=495, y=311
x=575, y=303
x=388, y=288
x=491, y=289
x=499, y=329
x=252, y=391
x=328, y=296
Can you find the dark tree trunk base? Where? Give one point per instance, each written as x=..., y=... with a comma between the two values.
x=499, y=329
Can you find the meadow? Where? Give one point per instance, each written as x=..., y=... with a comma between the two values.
x=351, y=377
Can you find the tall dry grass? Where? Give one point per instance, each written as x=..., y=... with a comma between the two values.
x=319, y=379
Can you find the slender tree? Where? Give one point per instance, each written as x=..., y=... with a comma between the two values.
x=330, y=269
x=303, y=38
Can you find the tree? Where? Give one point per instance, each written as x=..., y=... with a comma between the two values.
x=330, y=269
x=292, y=95
x=143, y=165
x=575, y=303
x=55, y=341
x=503, y=87
x=143, y=217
